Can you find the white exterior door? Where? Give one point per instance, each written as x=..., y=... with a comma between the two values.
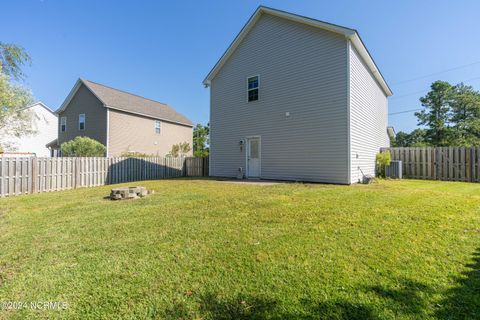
x=253, y=157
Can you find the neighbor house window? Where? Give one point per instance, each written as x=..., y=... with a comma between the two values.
x=157, y=126
x=63, y=124
x=81, y=121
x=252, y=88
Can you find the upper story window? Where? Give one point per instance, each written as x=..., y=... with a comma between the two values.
x=63, y=124
x=81, y=121
x=158, y=125
x=253, y=84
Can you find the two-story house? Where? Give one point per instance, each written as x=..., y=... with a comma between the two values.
x=294, y=98
x=43, y=123
x=121, y=121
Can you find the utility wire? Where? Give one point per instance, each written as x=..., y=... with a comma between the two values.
x=435, y=73
x=412, y=110
x=421, y=91
x=405, y=111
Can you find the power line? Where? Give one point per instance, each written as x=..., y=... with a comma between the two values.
x=421, y=91
x=407, y=94
x=412, y=110
x=405, y=111
x=435, y=73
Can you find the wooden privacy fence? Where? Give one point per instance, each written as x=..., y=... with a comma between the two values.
x=439, y=163
x=31, y=175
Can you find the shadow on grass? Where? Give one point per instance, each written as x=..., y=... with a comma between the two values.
x=414, y=299
x=410, y=299
x=463, y=301
x=407, y=298
x=252, y=307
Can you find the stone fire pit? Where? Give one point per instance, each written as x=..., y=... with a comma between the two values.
x=125, y=193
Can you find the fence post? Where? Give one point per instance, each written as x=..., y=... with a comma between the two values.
x=76, y=175
x=472, y=164
x=34, y=174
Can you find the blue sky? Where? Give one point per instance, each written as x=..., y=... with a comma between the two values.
x=163, y=49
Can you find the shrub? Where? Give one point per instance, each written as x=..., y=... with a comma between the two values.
x=180, y=149
x=134, y=154
x=382, y=161
x=83, y=147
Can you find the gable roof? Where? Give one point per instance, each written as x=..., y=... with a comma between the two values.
x=128, y=102
x=350, y=34
x=41, y=104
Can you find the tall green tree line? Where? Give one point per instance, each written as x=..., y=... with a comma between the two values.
x=450, y=117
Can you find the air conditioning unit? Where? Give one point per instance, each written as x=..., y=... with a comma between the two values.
x=394, y=169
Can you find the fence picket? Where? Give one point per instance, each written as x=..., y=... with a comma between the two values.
x=439, y=163
x=33, y=175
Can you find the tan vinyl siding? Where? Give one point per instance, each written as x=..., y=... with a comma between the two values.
x=130, y=132
x=85, y=102
x=302, y=70
x=369, y=114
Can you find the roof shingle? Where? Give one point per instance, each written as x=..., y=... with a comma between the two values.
x=128, y=102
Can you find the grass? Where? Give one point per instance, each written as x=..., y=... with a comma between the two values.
x=201, y=249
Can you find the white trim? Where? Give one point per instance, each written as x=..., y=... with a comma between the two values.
x=61, y=118
x=40, y=103
x=209, y=133
x=150, y=116
x=349, y=116
x=247, y=149
x=159, y=126
x=84, y=121
x=362, y=50
x=258, y=87
x=107, y=142
x=347, y=32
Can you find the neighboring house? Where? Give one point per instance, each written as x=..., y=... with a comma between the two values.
x=44, y=125
x=295, y=98
x=121, y=121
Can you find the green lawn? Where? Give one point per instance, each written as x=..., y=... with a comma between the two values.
x=202, y=249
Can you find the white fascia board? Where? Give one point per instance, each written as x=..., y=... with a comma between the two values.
x=41, y=104
x=282, y=14
x=347, y=32
x=362, y=50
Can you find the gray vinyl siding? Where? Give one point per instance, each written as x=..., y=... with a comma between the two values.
x=85, y=102
x=302, y=70
x=369, y=114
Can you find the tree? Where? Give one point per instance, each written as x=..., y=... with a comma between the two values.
x=465, y=116
x=14, y=120
x=436, y=113
x=82, y=147
x=414, y=139
x=12, y=59
x=180, y=149
x=201, y=140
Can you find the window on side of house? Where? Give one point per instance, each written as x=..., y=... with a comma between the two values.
x=158, y=125
x=63, y=124
x=253, y=85
x=81, y=121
